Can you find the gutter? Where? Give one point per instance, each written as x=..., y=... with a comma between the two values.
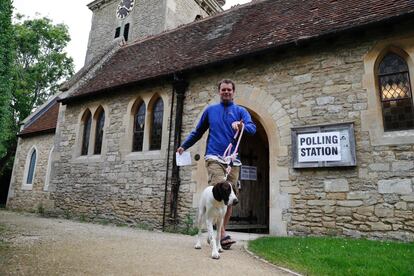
x=180, y=86
x=28, y=134
x=168, y=160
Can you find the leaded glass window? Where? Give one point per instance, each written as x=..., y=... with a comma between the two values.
x=86, y=132
x=32, y=165
x=395, y=93
x=139, y=124
x=99, y=132
x=156, y=129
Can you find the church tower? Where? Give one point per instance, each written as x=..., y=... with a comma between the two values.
x=137, y=19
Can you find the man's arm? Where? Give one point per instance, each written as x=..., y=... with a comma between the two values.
x=196, y=134
x=249, y=126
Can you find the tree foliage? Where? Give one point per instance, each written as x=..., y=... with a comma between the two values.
x=38, y=67
x=6, y=61
x=40, y=64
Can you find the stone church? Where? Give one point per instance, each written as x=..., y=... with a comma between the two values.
x=328, y=84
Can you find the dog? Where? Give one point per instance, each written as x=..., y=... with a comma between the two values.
x=212, y=208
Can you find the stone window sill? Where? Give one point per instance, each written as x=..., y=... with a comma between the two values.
x=382, y=138
x=88, y=159
x=146, y=155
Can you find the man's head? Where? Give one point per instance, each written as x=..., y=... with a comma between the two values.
x=226, y=90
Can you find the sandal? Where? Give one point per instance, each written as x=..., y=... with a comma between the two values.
x=226, y=242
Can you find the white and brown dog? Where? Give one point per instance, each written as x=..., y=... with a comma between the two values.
x=212, y=208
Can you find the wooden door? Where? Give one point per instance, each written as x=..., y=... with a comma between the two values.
x=252, y=212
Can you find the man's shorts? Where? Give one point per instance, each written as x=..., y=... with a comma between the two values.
x=217, y=171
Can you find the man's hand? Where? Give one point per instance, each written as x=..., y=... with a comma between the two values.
x=237, y=125
x=180, y=150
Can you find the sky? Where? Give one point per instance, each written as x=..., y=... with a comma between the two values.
x=76, y=15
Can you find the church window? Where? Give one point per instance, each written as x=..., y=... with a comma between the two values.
x=32, y=166
x=395, y=93
x=156, y=124
x=117, y=32
x=126, y=31
x=100, y=122
x=87, y=121
x=139, y=124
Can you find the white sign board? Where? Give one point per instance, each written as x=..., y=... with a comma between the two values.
x=248, y=173
x=322, y=146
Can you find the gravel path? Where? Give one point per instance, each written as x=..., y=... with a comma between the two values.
x=47, y=246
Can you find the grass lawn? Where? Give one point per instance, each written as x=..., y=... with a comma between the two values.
x=336, y=256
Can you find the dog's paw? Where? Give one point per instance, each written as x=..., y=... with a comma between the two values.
x=197, y=245
x=220, y=249
x=215, y=255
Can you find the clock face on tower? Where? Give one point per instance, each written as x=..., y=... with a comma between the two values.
x=124, y=8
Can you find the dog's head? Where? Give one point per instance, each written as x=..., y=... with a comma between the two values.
x=224, y=191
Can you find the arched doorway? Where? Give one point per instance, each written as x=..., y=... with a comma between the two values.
x=252, y=212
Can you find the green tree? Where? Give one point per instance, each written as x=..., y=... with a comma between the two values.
x=39, y=67
x=40, y=64
x=6, y=61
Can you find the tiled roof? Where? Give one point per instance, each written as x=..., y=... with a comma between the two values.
x=44, y=121
x=243, y=30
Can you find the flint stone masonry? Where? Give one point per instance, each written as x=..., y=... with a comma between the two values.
x=408, y=198
x=402, y=166
x=379, y=226
x=395, y=186
x=349, y=203
x=336, y=185
x=31, y=200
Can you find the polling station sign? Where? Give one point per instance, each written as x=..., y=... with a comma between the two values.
x=331, y=145
x=315, y=147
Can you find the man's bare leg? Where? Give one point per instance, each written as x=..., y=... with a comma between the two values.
x=226, y=220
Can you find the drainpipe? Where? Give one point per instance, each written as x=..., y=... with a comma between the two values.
x=168, y=159
x=180, y=85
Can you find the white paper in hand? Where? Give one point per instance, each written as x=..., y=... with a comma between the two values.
x=184, y=159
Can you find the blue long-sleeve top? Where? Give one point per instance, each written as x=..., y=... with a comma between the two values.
x=218, y=119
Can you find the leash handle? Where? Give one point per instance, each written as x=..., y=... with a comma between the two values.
x=227, y=155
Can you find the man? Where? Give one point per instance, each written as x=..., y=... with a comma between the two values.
x=222, y=120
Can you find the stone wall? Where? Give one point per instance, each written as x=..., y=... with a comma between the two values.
x=148, y=17
x=102, y=33
x=23, y=197
x=181, y=12
x=118, y=185
x=324, y=83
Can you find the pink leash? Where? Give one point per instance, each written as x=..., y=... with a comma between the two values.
x=230, y=157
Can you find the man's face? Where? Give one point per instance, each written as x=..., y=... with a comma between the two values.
x=226, y=92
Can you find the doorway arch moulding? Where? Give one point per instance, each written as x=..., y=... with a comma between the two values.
x=277, y=124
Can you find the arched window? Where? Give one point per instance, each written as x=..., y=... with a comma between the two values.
x=395, y=93
x=100, y=122
x=32, y=166
x=139, y=124
x=87, y=121
x=156, y=125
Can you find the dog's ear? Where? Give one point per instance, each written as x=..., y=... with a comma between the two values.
x=225, y=191
x=216, y=192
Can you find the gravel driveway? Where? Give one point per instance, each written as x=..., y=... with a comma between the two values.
x=48, y=246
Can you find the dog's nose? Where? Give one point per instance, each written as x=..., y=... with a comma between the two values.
x=235, y=202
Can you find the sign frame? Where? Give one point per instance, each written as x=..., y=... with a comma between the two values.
x=250, y=170
x=346, y=130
